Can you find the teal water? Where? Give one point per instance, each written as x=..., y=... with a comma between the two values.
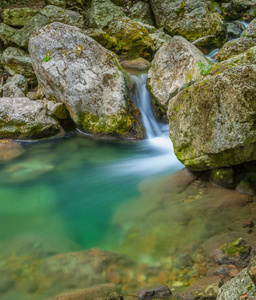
x=70, y=187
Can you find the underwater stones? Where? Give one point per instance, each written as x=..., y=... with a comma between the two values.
x=18, y=16
x=174, y=67
x=223, y=177
x=17, y=61
x=190, y=19
x=23, y=118
x=237, y=253
x=47, y=15
x=219, y=130
x=85, y=77
x=234, y=47
x=236, y=287
x=9, y=150
x=106, y=291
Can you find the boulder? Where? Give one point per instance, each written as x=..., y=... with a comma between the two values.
x=20, y=81
x=74, y=69
x=224, y=177
x=6, y=33
x=234, y=47
x=60, y=3
x=251, y=269
x=132, y=38
x=174, y=67
x=17, y=61
x=242, y=5
x=212, y=123
x=141, y=12
x=190, y=19
x=10, y=90
x=229, y=12
x=159, y=37
x=47, y=15
x=237, y=287
x=103, y=12
x=23, y=118
x=57, y=109
x=18, y=16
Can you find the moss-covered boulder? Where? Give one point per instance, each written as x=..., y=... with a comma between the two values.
x=47, y=15
x=74, y=69
x=17, y=61
x=24, y=118
x=159, y=37
x=6, y=33
x=18, y=16
x=190, y=19
x=141, y=12
x=212, y=123
x=174, y=67
x=234, y=47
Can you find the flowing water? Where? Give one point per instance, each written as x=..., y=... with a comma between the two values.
x=75, y=193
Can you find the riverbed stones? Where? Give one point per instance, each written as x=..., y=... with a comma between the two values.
x=23, y=118
x=17, y=61
x=236, y=287
x=87, y=78
x=190, y=19
x=18, y=16
x=234, y=47
x=212, y=122
x=224, y=177
x=174, y=67
x=47, y=15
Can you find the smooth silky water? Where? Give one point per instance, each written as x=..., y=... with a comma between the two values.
x=76, y=192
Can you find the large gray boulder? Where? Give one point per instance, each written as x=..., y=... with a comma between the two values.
x=237, y=46
x=174, y=67
x=190, y=19
x=24, y=118
x=212, y=123
x=74, y=69
x=141, y=12
x=47, y=15
x=17, y=61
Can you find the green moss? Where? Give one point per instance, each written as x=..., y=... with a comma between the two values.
x=235, y=248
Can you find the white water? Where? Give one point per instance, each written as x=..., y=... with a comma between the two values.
x=155, y=154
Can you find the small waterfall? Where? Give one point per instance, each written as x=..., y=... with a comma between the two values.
x=142, y=100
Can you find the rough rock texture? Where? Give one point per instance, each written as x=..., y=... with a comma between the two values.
x=141, y=12
x=236, y=287
x=6, y=32
x=251, y=269
x=212, y=123
x=47, y=15
x=159, y=37
x=234, y=47
x=23, y=118
x=107, y=291
x=174, y=67
x=237, y=253
x=16, y=61
x=10, y=90
x=103, y=12
x=103, y=38
x=20, y=81
x=203, y=289
x=242, y=5
x=132, y=38
x=86, y=77
x=18, y=16
x=190, y=19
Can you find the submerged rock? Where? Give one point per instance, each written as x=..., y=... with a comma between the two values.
x=87, y=78
x=234, y=47
x=174, y=68
x=23, y=118
x=8, y=151
x=212, y=122
x=223, y=177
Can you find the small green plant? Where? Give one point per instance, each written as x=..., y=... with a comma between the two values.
x=204, y=69
x=243, y=34
x=47, y=56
